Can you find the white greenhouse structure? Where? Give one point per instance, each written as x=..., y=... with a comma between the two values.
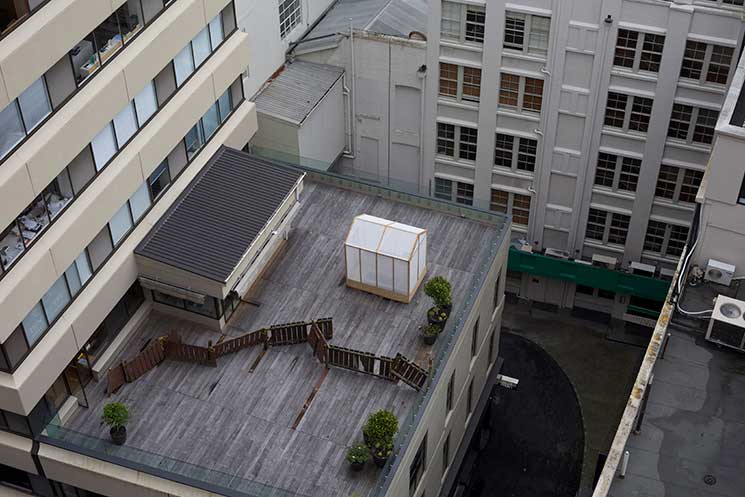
x=385, y=257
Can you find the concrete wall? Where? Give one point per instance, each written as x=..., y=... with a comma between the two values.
x=577, y=74
x=388, y=102
x=259, y=19
x=277, y=134
x=321, y=136
x=436, y=422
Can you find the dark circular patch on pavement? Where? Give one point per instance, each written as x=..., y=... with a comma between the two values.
x=710, y=480
x=537, y=434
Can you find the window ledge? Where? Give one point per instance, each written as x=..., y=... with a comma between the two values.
x=459, y=104
x=444, y=159
x=709, y=88
x=463, y=45
x=614, y=193
x=688, y=146
x=631, y=74
x=663, y=202
x=536, y=118
x=589, y=242
x=633, y=135
x=516, y=54
x=512, y=173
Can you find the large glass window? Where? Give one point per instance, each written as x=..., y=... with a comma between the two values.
x=211, y=121
x=194, y=140
x=183, y=64
x=146, y=103
x=125, y=124
x=120, y=224
x=34, y=324
x=56, y=299
x=34, y=103
x=159, y=180
x=140, y=201
x=202, y=47
x=104, y=146
x=216, y=31
x=11, y=128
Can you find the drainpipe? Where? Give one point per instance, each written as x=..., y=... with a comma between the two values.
x=422, y=75
x=347, y=152
x=353, y=96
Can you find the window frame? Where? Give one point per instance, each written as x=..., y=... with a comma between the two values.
x=678, y=185
x=465, y=10
x=609, y=219
x=452, y=190
x=460, y=83
x=528, y=33
x=693, y=126
x=509, y=209
x=628, y=112
x=616, y=174
x=522, y=85
x=639, y=51
x=706, y=63
x=517, y=152
x=457, y=142
x=292, y=11
x=666, y=237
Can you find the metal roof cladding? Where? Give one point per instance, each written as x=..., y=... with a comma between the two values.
x=210, y=227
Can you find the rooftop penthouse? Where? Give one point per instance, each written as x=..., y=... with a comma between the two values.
x=271, y=420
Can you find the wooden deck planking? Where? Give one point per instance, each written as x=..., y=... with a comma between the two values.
x=238, y=422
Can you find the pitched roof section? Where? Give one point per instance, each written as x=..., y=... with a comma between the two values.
x=297, y=90
x=390, y=17
x=210, y=227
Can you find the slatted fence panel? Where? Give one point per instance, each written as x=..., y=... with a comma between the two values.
x=326, y=325
x=116, y=379
x=318, y=343
x=242, y=342
x=409, y=372
x=363, y=362
x=288, y=334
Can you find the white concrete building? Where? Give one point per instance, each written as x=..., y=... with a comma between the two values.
x=590, y=122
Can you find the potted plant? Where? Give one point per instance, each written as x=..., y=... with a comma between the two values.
x=115, y=414
x=436, y=317
x=381, y=425
x=381, y=451
x=429, y=333
x=440, y=291
x=358, y=456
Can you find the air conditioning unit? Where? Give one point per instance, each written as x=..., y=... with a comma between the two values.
x=667, y=273
x=719, y=272
x=604, y=261
x=557, y=254
x=727, y=324
x=643, y=269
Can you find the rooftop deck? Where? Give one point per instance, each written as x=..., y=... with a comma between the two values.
x=240, y=422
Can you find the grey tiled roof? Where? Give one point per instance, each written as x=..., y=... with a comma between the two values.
x=211, y=225
x=295, y=92
x=390, y=17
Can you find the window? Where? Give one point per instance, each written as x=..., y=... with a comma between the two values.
x=628, y=112
x=497, y=291
x=469, y=400
x=21, y=116
x=607, y=227
x=508, y=148
x=125, y=124
x=706, y=63
x=443, y=189
x=463, y=23
x=459, y=82
x=678, y=184
x=464, y=193
x=492, y=346
x=514, y=204
x=449, y=394
x=638, y=51
x=521, y=93
x=609, y=175
x=290, y=15
x=457, y=141
x=665, y=239
x=418, y=466
x=159, y=180
x=475, y=339
x=146, y=103
x=520, y=28
x=680, y=124
x=446, y=454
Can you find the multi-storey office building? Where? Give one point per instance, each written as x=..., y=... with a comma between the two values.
x=107, y=111
x=591, y=123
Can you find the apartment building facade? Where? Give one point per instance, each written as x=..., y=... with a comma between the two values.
x=591, y=123
x=109, y=109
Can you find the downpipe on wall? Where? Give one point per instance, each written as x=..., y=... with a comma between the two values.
x=351, y=95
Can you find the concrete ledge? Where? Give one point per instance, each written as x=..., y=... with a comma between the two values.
x=15, y=451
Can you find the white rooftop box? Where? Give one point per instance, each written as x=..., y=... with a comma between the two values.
x=385, y=258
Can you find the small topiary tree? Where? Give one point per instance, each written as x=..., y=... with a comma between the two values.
x=439, y=290
x=115, y=414
x=381, y=427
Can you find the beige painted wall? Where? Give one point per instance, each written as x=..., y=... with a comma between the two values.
x=46, y=153
x=65, y=240
x=436, y=422
x=21, y=391
x=44, y=38
x=16, y=451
